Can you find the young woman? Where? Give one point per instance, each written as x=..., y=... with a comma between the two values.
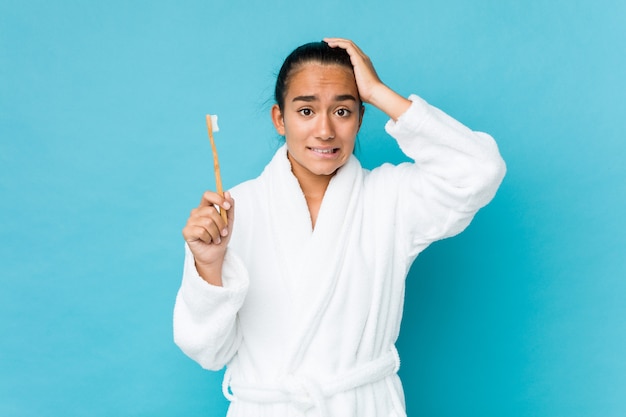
x=301, y=294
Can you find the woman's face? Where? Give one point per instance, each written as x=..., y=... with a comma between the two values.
x=321, y=117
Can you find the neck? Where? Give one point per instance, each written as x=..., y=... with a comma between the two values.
x=314, y=195
x=313, y=187
x=310, y=183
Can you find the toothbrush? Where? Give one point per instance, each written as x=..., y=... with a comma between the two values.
x=211, y=124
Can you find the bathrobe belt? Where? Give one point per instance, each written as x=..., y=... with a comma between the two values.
x=305, y=392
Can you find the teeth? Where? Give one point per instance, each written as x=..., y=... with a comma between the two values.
x=323, y=150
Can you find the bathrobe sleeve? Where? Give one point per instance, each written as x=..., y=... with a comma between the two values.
x=205, y=316
x=456, y=171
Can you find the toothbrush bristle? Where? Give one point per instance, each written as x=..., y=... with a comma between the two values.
x=214, y=125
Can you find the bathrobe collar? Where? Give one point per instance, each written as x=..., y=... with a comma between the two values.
x=311, y=259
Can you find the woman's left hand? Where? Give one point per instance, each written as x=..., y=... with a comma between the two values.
x=371, y=89
x=367, y=80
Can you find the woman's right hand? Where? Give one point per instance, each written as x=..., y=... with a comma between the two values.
x=207, y=235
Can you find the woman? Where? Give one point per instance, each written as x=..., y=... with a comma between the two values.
x=301, y=295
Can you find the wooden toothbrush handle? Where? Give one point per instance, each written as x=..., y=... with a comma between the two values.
x=216, y=166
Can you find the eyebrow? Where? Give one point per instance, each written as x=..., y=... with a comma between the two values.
x=341, y=97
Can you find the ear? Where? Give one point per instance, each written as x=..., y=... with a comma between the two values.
x=278, y=120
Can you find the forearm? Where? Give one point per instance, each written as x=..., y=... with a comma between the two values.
x=388, y=101
x=205, y=316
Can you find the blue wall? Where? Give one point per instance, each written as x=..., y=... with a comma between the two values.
x=103, y=152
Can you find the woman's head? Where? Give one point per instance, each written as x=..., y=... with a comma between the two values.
x=318, y=109
x=314, y=52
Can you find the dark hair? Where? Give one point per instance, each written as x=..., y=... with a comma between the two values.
x=318, y=52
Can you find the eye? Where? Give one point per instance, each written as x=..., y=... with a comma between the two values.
x=343, y=112
x=305, y=112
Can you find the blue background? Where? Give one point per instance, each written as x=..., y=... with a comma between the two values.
x=103, y=152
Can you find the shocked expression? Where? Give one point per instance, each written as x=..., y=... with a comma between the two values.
x=321, y=118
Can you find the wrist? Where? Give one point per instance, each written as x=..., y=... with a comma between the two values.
x=388, y=101
x=377, y=94
x=210, y=272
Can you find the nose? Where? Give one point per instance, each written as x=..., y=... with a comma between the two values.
x=324, y=128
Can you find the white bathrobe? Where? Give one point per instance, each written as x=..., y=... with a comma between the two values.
x=307, y=318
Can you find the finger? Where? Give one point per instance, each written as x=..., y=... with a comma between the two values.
x=335, y=41
x=204, y=229
x=230, y=213
x=211, y=216
x=223, y=210
x=205, y=224
x=346, y=44
x=194, y=233
x=358, y=58
x=211, y=198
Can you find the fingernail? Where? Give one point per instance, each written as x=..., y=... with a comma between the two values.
x=218, y=241
x=225, y=232
x=226, y=205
